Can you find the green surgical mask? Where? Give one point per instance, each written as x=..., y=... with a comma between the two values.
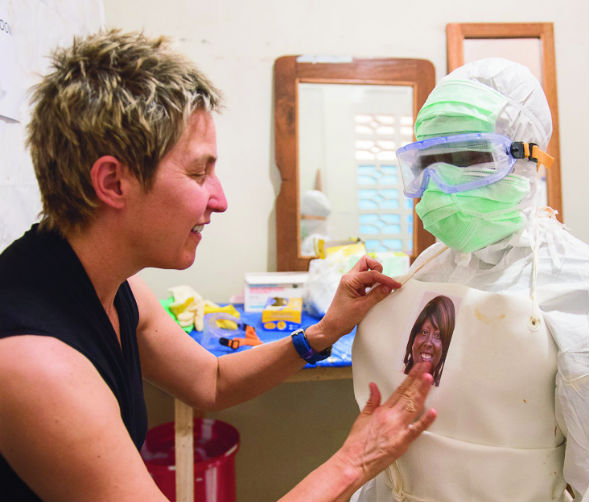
x=471, y=220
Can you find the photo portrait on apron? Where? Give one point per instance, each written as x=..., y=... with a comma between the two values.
x=431, y=334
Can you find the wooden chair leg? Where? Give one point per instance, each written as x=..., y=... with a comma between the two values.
x=184, y=447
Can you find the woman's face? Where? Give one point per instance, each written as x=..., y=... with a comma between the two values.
x=427, y=345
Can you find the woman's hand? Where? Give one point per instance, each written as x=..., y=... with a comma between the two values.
x=379, y=436
x=358, y=291
x=382, y=433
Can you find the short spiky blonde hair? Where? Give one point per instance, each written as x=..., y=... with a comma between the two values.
x=111, y=93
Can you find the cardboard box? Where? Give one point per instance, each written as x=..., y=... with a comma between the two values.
x=282, y=314
x=263, y=285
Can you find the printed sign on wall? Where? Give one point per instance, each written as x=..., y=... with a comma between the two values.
x=10, y=93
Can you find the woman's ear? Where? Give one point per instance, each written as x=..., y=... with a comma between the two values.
x=110, y=181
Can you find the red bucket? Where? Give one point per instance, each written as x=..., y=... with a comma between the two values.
x=215, y=446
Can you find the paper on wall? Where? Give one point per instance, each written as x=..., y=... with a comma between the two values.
x=29, y=31
x=11, y=92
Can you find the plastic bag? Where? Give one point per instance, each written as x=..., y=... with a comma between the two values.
x=323, y=280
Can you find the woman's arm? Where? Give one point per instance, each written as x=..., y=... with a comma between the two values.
x=173, y=361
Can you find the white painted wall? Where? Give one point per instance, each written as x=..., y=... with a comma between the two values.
x=31, y=29
x=236, y=42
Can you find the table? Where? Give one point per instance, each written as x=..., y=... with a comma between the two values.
x=341, y=354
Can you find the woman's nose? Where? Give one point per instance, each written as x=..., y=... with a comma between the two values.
x=217, y=199
x=429, y=339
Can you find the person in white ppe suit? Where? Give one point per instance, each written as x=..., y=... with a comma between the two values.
x=315, y=209
x=513, y=399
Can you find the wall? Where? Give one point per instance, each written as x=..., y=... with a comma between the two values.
x=236, y=43
x=31, y=30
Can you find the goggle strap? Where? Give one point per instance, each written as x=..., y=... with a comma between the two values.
x=531, y=151
x=541, y=157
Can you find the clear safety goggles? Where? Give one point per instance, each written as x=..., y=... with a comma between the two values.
x=463, y=162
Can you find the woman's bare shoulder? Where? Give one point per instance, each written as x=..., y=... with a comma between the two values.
x=60, y=421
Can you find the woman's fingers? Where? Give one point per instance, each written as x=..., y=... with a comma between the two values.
x=369, y=271
x=411, y=394
x=356, y=294
x=395, y=396
x=373, y=400
x=421, y=424
x=378, y=293
x=363, y=279
x=382, y=433
x=413, y=399
x=367, y=263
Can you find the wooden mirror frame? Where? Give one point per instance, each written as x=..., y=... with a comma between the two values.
x=456, y=33
x=289, y=71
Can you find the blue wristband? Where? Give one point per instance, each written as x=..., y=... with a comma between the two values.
x=299, y=340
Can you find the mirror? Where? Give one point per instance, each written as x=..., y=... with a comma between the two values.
x=348, y=128
x=531, y=44
x=338, y=123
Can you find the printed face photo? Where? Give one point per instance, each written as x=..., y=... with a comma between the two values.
x=430, y=336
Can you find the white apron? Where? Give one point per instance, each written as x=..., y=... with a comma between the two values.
x=495, y=437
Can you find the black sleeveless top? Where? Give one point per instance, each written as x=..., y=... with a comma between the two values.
x=44, y=290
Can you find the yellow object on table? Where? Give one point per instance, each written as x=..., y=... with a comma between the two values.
x=212, y=308
x=282, y=314
x=188, y=307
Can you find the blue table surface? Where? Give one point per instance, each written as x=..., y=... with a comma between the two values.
x=341, y=353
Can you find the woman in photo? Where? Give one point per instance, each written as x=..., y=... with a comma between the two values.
x=430, y=336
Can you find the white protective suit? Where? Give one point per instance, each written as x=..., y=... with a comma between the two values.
x=545, y=271
x=315, y=209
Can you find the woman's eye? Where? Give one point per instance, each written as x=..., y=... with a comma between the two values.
x=437, y=334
